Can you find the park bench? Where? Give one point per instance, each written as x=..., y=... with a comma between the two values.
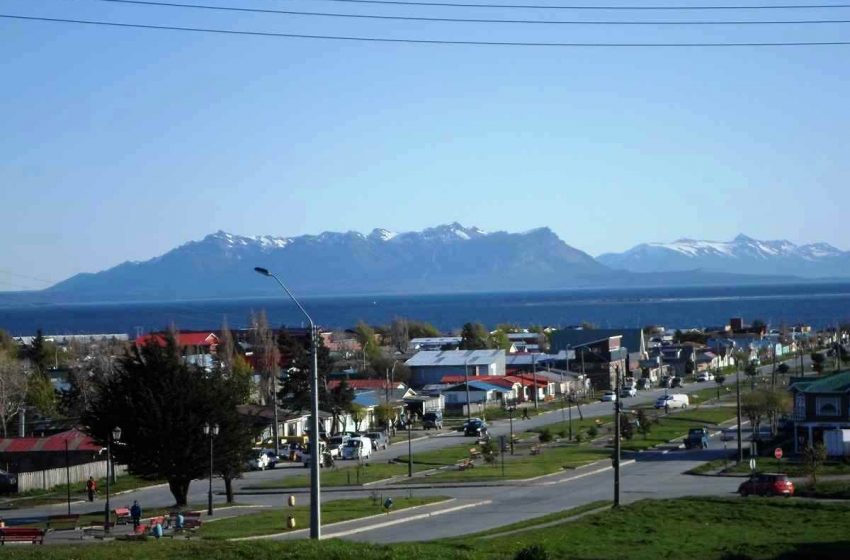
x=57, y=522
x=122, y=515
x=32, y=535
x=536, y=450
x=474, y=453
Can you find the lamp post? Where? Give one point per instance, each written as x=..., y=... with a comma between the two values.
x=315, y=486
x=466, y=383
x=409, y=445
x=114, y=436
x=210, y=431
x=511, y=410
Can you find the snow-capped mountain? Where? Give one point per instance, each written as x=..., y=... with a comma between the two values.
x=447, y=258
x=743, y=255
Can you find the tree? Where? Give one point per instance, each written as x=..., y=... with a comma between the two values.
x=474, y=337
x=161, y=405
x=266, y=356
x=499, y=339
x=719, y=380
x=751, y=371
x=421, y=329
x=627, y=427
x=38, y=353
x=294, y=393
x=754, y=407
x=7, y=345
x=13, y=389
x=358, y=414
x=399, y=334
x=777, y=401
x=644, y=426
x=813, y=459
x=40, y=393
x=338, y=402
x=818, y=360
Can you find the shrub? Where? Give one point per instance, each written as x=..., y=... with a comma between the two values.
x=593, y=431
x=545, y=435
x=533, y=552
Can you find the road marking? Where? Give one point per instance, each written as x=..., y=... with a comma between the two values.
x=582, y=475
x=404, y=520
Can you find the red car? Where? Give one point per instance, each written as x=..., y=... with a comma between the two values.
x=767, y=484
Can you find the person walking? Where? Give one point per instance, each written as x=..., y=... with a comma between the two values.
x=136, y=514
x=91, y=488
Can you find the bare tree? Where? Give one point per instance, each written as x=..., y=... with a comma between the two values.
x=266, y=356
x=13, y=389
x=226, y=350
x=399, y=334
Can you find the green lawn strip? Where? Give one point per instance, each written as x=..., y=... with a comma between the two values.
x=274, y=521
x=561, y=429
x=687, y=528
x=677, y=424
x=59, y=494
x=535, y=521
x=826, y=489
x=355, y=475
x=791, y=467
x=524, y=465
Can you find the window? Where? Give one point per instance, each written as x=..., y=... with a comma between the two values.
x=800, y=407
x=828, y=406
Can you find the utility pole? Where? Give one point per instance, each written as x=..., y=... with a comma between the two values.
x=466, y=382
x=738, y=401
x=534, y=376
x=617, y=440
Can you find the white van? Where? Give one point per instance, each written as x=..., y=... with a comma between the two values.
x=357, y=448
x=672, y=401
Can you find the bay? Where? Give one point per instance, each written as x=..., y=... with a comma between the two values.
x=819, y=305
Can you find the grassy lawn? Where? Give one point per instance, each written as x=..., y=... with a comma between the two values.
x=535, y=521
x=677, y=424
x=829, y=489
x=688, y=528
x=356, y=475
x=524, y=465
x=59, y=494
x=274, y=521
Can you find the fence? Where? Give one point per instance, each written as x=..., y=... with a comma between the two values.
x=43, y=480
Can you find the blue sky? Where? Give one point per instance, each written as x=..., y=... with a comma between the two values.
x=120, y=144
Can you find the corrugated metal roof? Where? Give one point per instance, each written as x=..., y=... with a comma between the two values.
x=77, y=441
x=455, y=358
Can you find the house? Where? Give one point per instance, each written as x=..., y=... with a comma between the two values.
x=481, y=395
x=527, y=341
x=600, y=360
x=428, y=367
x=820, y=404
x=25, y=454
x=368, y=384
x=202, y=342
x=528, y=362
x=434, y=343
x=518, y=392
x=633, y=340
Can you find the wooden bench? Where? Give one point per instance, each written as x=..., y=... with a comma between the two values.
x=56, y=522
x=474, y=453
x=122, y=515
x=32, y=535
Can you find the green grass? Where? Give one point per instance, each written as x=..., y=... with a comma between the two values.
x=535, y=521
x=59, y=494
x=676, y=425
x=524, y=465
x=683, y=529
x=825, y=489
x=355, y=475
x=274, y=521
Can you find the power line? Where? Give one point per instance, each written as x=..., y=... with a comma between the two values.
x=468, y=20
x=421, y=41
x=598, y=8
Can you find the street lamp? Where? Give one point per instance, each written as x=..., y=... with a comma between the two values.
x=315, y=486
x=210, y=431
x=511, y=409
x=114, y=436
x=409, y=444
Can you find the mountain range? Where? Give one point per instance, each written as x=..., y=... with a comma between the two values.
x=444, y=259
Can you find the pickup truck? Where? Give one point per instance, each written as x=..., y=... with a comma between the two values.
x=697, y=437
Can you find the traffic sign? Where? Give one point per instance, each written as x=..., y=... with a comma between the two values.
x=778, y=453
x=752, y=464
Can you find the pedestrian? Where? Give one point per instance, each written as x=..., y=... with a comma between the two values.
x=525, y=414
x=666, y=408
x=136, y=514
x=156, y=531
x=91, y=488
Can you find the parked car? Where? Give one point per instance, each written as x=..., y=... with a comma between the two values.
x=644, y=384
x=697, y=437
x=259, y=460
x=729, y=434
x=675, y=382
x=672, y=401
x=609, y=396
x=433, y=420
x=705, y=376
x=274, y=459
x=628, y=392
x=357, y=448
x=306, y=454
x=767, y=484
x=475, y=427
x=336, y=443
x=8, y=482
x=379, y=440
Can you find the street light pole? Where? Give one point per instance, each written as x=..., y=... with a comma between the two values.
x=466, y=382
x=617, y=440
x=738, y=407
x=511, y=416
x=315, y=485
x=114, y=436
x=210, y=431
x=534, y=376
x=409, y=445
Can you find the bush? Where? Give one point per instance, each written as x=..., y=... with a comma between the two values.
x=593, y=431
x=579, y=437
x=562, y=433
x=545, y=435
x=533, y=552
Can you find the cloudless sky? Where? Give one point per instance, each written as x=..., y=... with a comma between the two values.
x=120, y=144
